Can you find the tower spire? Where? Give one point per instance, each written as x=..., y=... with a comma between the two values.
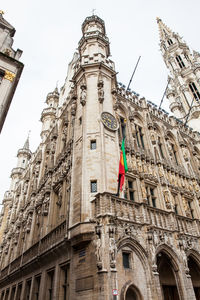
x=26, y=144
x=164, y=30
x=183, y=91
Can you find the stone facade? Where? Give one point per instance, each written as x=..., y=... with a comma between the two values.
x=10, y=67
x=65, y=234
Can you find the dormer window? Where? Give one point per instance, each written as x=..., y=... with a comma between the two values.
x=180, y=61
x=194, y=91
x=170, y=42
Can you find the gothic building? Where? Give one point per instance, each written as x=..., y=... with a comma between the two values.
x=64, y=233
x=10, y=67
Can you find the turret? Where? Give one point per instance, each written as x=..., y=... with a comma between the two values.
x=23, y=155
x=49, y=114
x=184, y=84
x=94, y=44
x=91, y=105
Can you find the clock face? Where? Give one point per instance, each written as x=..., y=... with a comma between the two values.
x=109, y=121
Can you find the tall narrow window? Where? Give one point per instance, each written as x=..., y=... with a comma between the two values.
x=19, y=291
x=13, y=292
x=175, y=153
x=50, y=281
x=64, y=282
x=2, y=295
x=93, y=145
x=28, y=289
x=126, y=260
x=151, y=195
x=190, y=208
x=139, y=136
x=130, y=190
x=160, y=147
x=93, y=186
x=123, y=127
x=194, y=91
x=37, y=287
x=176, y=207
x=180, y=61
x=170, y=42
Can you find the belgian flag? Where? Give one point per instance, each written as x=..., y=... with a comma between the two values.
x=123, y=168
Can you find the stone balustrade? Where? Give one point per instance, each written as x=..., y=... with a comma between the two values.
x=106, y=204
x=48, y=241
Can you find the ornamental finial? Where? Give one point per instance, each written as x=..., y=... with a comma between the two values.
x=1, y=12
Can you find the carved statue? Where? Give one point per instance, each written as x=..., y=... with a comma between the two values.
x=112, y=250
x=28, y=224
x=83, y=95
x=185, y=153
x=46, y=205
x=167, y=199
x=59, y=202
x=100, y=94
x=98, y=250
x=144, y=192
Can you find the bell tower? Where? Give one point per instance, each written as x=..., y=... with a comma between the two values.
x=184, y=81
x=96, y=146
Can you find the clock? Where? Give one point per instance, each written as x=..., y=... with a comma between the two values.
x=109, y=121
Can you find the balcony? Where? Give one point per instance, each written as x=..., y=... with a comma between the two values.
x=49, y=241
x=106, y=204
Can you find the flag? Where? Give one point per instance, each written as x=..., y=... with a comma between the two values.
x=123, y=168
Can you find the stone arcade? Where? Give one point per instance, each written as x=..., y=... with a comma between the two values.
x=64, y=233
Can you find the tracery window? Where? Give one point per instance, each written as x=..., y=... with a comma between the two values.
x=180, y=61
x=190, y=206
x=194, y=91
x=160, y=146
x=151, y=195
x=174, y=153
x=139, y=136
x=130, y=192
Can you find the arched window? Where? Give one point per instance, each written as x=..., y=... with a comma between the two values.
x=170, y=42
x=180, y=61
x=139, y=136
x=160, y=146
x=194, y=91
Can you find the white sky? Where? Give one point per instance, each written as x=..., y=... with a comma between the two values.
x=48, y=33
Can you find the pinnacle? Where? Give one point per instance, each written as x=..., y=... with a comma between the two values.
x=163, y=29
x=26, y=144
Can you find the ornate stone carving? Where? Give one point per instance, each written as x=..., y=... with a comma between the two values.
x=83, y=95
x=45, y=208
x=100, y=90
x=9, y=75
x=98, y=246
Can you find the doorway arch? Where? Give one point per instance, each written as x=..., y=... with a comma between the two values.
x=167, y=275
x=194, y=268
x=132, y=293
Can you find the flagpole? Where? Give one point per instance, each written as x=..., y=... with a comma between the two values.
x=119, y=178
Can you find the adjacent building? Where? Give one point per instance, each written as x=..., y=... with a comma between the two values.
x=10, y=67
x=65, y=233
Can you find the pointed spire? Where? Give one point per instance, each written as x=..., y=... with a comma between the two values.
x=164, y=31
x=26, y=144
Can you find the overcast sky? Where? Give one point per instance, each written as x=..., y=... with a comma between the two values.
x=48, y=33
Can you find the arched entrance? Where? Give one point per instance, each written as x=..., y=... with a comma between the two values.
x=132, y=293
x=195, y=275
x=167, y=277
